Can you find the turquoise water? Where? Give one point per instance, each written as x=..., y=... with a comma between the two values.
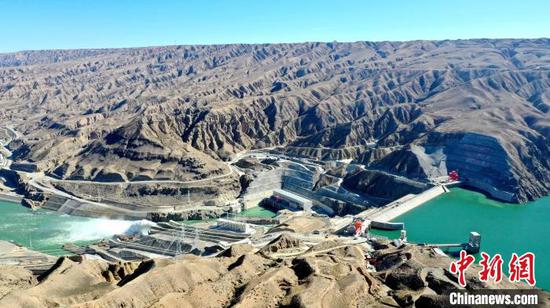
x=504, y=228
x=257, y=211
x=47, y=231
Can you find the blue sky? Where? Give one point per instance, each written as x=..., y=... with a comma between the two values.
x=58, y=24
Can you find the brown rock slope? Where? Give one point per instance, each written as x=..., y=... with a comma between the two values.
x=14, y=278
x=479, y=106
x=327, y=275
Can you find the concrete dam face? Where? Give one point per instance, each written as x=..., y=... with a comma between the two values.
x=482, y=163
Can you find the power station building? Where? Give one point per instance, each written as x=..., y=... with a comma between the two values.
x=285, y=199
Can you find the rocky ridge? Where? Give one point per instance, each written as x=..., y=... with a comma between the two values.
x=329, y=274
x=417, y=109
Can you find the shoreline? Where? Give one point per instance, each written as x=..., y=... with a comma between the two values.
x=11, y=197
x=451, y=217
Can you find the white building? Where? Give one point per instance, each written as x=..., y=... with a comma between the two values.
x=294, y=201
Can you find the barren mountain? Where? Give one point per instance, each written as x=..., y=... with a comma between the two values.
x=329, y=274
x=416, y=109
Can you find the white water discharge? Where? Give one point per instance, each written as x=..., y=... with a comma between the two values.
x=100, y=228
x=47, y=231
x=142, y=227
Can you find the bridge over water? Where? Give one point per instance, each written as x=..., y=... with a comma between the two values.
x=472, y=247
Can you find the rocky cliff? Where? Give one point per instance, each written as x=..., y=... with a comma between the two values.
x=416, y=109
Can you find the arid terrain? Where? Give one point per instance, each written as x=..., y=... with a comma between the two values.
x=279, y=274
x=415, y=109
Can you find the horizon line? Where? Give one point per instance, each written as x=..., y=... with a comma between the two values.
x=273, y=43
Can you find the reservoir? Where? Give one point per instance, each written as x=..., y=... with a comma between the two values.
x=504, y=228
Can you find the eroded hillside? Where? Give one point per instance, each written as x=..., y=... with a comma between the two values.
x=416, y=109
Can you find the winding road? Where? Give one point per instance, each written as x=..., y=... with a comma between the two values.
x=41, y=182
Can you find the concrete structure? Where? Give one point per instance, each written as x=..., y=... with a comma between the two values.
x=235, y=226
x=491, y=190
x=11, y=197
x=472, y=247
x=293, y=201
x=262, y=187
x=402, y=205
x=171, y=239
x=474, y=243
x=36, y=262
x=403, y=236
x=386, y=225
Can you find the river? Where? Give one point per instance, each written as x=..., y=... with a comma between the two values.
x=504, y=228
x=47, y=231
